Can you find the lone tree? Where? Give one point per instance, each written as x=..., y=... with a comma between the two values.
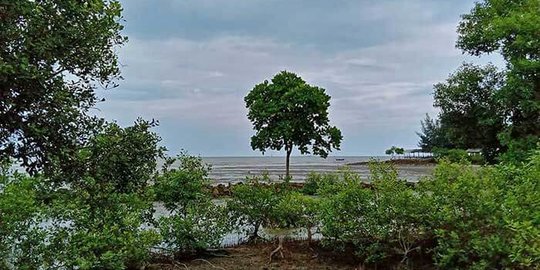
x=288, y=112
x=394, y=150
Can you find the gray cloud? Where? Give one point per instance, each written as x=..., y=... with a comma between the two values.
x=190, y=63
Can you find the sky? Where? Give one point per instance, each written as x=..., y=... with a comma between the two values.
x=189, y=64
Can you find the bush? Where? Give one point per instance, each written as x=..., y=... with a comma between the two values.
x=195, y=230
x=194, y=223
x=98, y=219
x=311, y=183
x=386, y=221
x=298, y=211
x=486, y=217
x=22, y=241
x=253, y=205
x=452, y=155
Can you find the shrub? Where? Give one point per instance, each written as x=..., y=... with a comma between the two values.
x=253, y=205
x=383, y=222
x=98, y=220
x=299, y=211
x=311, y=183
x=342, y=212
x=108, y=238
x=452, y=155
x=196, y=229
x=486, y=217
x=195, y=223
x=22, y=241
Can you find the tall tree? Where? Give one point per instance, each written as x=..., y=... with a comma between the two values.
x=511, y=28
x=470, y=109
x=432, y=135
x=53, y=55
x=288, y=112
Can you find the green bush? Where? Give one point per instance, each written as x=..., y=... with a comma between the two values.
x=22, y=241
x=107, y=200
x=486, y=217
x=253, y=205
x=452, y=155
x=385, y=221
x=195, y=223
x=299, y=211
x=311, y=183
x=196, y=229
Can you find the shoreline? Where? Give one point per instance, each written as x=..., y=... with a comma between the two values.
x=401, y=161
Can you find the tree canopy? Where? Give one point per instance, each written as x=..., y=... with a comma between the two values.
x=53, y=55
x=433, y=135
x=288, y=112
x=511, y=28
x=498, y=111
x=470, y=109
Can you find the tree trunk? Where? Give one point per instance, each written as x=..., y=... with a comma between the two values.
x=287, y=175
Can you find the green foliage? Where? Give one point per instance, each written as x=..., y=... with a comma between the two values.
x=49, y=72
x=316, y=183
x=385, y=221
x=22, y=241
x=288, y=112
x=108, y=200
x=510, y=28
x=299, y=211
x=452, y=155
x=196, y=229
x=186, y=185
x=195, y=223
x=471, y=113
x=433, y=135
x=253, y=205
x=394, y=150
x=498, y=111
x=486, y=217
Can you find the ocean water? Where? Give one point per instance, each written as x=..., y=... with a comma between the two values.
x=236, y=169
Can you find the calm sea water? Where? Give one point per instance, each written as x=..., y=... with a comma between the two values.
x=236, y=169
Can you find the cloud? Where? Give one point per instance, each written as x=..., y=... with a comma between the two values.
x=190, y=63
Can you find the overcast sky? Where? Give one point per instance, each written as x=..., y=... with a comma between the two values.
x=189, y=63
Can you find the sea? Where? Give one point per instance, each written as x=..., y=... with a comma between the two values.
x=237, y=169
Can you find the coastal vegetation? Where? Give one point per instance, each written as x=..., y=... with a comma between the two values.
x=286, y=113
x=462, y=216
x=89, y=196
x=483, y=107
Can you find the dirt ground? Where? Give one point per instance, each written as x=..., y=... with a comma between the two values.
x=296, y=255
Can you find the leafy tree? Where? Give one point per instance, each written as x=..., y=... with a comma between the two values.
x=511, y=28
x=195, y=223
x=288, y=112
x=298, y=211
x=253, y=205
x=22, y=239
x=433, y=135
x=470, y=109
x=394, y=150
x=108, y=200
x=53, y=55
